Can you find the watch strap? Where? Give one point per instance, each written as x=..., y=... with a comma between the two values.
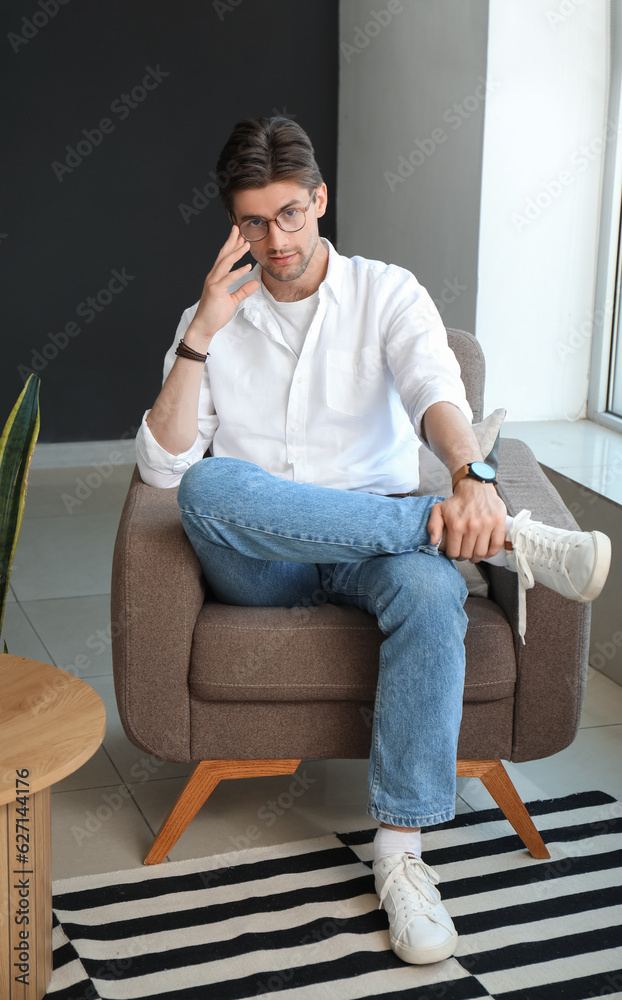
x=460, y=474
x=463, y=472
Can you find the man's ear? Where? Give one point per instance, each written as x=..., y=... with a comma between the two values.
x=322, y=200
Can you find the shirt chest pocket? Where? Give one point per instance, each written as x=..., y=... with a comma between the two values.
x=355, y=380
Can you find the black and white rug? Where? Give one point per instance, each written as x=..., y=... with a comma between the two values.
x=301, y=919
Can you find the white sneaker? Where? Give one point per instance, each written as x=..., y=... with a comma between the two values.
x=421, y=928
x=574, y=563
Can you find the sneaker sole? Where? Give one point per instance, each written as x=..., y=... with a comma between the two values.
x=424, y=956
x=602, y=562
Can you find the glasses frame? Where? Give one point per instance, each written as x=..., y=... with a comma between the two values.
x=276, y=219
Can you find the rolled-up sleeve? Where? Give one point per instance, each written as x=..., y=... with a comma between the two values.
x=424, y=367
x=157, y=466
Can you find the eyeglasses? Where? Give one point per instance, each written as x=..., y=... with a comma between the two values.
x=290, y=221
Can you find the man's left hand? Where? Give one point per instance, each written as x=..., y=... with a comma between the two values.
x=472, y=522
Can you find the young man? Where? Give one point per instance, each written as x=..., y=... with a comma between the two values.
x=314, y=378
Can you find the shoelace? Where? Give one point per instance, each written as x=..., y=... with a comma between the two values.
x=531, y=549
x=420, y=877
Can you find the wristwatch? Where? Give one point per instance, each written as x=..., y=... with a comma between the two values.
x=480, y=471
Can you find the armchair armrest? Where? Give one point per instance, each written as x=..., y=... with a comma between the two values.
x=156, y=594
x=552, y=665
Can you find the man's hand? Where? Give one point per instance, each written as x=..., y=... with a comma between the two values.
x=473, y=519
x=217, y=305
x=173, y=418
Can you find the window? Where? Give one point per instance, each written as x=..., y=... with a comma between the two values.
x=605, y=391
x=614, y=375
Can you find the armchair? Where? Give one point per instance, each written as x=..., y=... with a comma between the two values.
x=253, y=691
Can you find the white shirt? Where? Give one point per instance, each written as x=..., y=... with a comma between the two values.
x=347, y=412
x=294, y=318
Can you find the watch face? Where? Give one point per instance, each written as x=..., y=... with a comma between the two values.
x=483, y=470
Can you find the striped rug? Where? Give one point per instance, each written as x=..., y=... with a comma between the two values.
x=301, y=919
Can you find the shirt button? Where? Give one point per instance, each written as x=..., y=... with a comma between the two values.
x=294, y=427
x=299, y=380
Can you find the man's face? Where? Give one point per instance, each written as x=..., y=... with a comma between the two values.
x=285, y=256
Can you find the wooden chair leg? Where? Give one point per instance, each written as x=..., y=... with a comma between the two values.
x=498, y=782
x=199, y=786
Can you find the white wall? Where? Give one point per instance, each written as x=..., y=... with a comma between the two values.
x=411, y=124
x=540, y=203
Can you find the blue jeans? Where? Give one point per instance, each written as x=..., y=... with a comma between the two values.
x=264, y=541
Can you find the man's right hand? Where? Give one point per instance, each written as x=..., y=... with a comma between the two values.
x=173, y=418
x=217, y=305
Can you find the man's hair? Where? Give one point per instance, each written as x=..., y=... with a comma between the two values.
x=260, y=151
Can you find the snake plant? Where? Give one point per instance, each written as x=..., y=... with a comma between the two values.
x=16, y=447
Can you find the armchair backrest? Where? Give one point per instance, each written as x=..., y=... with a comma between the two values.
x=472, y=366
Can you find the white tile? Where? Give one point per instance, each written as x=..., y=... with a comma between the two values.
x=67, y=454
x=591, y=763
x=20, y=637
x=104, y=685
x=76, y=631
x=64, y=556
x=97, y=830
x=472, y=792
x=603, y=701
x=137, y=766
x=94, y=773
x=63, y=477
x=462, y=806
x=68, y=492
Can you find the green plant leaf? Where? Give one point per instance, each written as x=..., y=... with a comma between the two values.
x=16, y=447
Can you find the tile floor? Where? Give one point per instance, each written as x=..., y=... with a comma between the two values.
x=105, y=815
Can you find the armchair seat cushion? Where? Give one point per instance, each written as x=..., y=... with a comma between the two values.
x=327, y=653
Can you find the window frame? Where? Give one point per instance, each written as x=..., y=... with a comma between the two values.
x=607, y=314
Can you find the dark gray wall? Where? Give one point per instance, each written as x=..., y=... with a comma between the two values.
x=65, y=232
x=411, y=126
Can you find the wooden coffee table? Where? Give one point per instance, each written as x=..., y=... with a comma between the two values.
x=50, y=724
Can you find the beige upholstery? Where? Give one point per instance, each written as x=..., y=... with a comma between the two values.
x=198, y=680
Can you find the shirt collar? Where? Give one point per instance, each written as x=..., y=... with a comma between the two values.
x=332, y=280
x=334, y=271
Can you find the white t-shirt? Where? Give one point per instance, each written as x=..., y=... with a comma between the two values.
x=294, y=318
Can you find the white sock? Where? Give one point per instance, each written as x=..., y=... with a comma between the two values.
x=388, y=842
x=501, y=558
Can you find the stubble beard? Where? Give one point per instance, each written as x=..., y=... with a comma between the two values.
x=278, y=274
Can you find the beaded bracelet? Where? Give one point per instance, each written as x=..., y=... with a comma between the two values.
x=183, y=351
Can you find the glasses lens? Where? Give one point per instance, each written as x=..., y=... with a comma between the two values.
x=254, y=229
x=291, y=220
